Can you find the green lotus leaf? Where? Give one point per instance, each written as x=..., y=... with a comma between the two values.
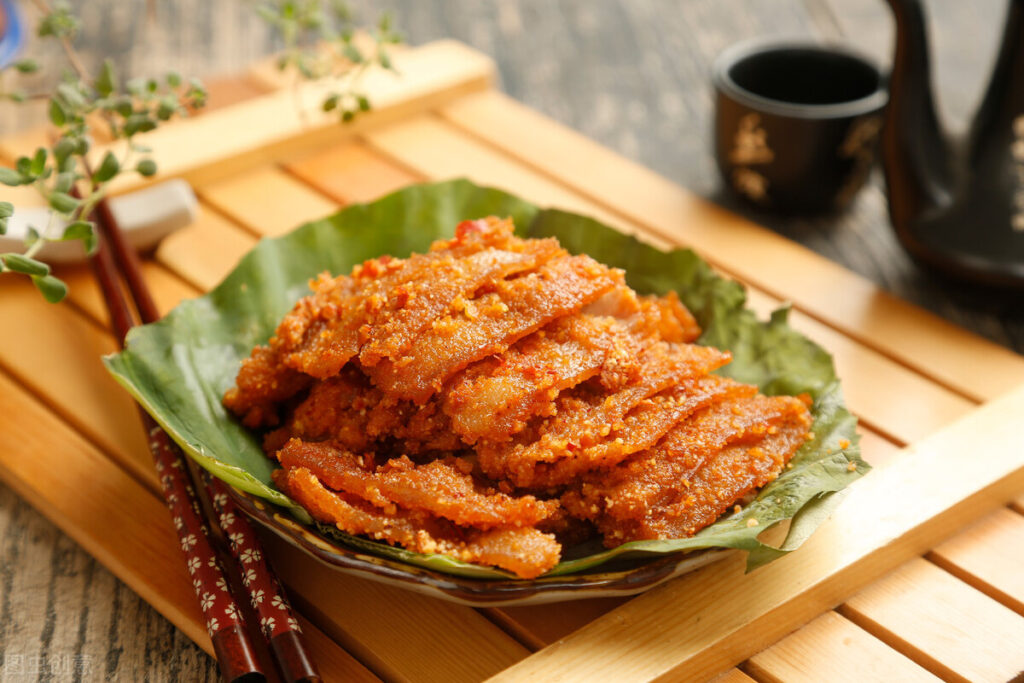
x=178, y=368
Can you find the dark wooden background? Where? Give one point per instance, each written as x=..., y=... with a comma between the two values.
x=632, y=74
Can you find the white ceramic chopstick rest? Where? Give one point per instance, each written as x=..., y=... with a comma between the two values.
x=146, y=216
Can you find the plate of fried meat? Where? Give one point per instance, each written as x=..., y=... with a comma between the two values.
x=453, y=390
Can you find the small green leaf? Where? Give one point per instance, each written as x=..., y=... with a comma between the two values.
x=27, y=66
x=39, y=161
x=24, y=167
x=83, y=145
x=347, y=115
x=71, y=96
x=173, y=79
x=108, y=168
x=10, y=177
x=18, y=95
x=138, y=123
x=168, y=105
x=331, y=103
x=107, y=81
x=19, y=263
x=353, y=54
x=81, y=230
x=136, y=86
x=123, y=105
x=63, y=203
x=64, y=182
x=52, y=289
x=364, y=103
x=6, y=211
x=146, y=167
x=64, y=148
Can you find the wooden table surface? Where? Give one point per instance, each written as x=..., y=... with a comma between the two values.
x=633, y=76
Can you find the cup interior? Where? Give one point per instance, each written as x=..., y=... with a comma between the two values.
x=801, y=76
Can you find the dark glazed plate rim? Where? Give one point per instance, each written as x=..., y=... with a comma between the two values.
x=470, y=591
x=725, y=84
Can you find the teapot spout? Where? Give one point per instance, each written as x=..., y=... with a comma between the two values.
x=916, y=155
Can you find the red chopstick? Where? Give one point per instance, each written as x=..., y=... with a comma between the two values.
x=224, y=556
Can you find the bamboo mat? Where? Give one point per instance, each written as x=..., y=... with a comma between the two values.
x=915, y=577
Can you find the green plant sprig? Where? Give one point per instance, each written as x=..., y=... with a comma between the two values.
x=319, y=42
x=60, y=173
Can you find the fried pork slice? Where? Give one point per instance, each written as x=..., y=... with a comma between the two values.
x=674, y=322
x=491, y=323
x=425, y=284
x=634, y=500
x=444, y=487
x=496, y=396
x=643, y=427
x=419, y=303
x=262, y=384
x=351, y=413
x=588, y=415
x=524, y=551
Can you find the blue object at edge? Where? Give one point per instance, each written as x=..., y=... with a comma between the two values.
x=13, y=36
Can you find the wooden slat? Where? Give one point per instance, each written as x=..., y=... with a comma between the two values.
x=266, y=73
x=115, y=518
x=707, y=621
x=438, y=151
x=289, y=123
x=168, y=290
x=206, y=251
x=989, y=555
x=942, y=623
x=60, y=360
x=834, y=645
x=876, y=449
x=787, y=270
x=267, y=200
x=350, y=173
x=733, y=676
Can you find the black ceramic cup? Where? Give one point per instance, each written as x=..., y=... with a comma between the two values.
x=796, y=125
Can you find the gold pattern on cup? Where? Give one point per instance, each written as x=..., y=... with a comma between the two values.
x=858, y=145
x=750, y=146
x=1017, y=152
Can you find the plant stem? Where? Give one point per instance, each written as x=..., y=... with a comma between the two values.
x=69, y=50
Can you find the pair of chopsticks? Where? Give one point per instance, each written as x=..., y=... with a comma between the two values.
x=254, y=631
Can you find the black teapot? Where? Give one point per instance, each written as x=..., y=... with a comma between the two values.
x=957, y=206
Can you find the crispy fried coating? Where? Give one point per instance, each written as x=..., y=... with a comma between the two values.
x=261, y=386
x=524, y=551
x=586, y=417
x=418, y=303
x=674, y=321
x=491, y=323
x=645, y=493
x=495, y=397
x=327, y=330
x=444, y=487
x=353, y=414
x=643, y=427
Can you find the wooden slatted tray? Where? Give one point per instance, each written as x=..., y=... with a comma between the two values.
x=916, y=576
